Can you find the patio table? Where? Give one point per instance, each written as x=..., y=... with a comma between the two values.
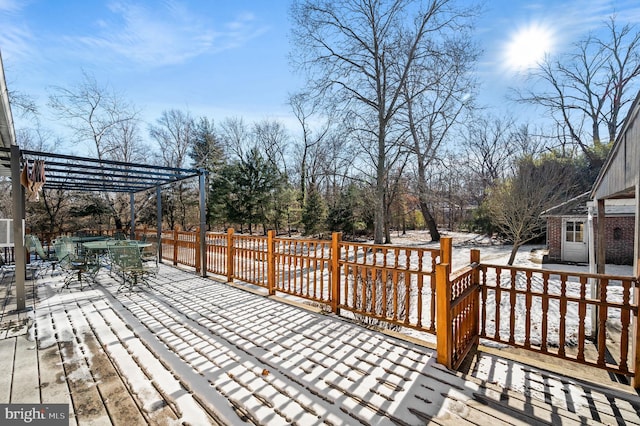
x=87, y=238
x=104, y=244
x=96, y=248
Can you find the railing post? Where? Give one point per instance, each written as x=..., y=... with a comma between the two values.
x=230, y=254
x=175, y=247
x=636, y=338
x=475, y=280
x=271, y=262
x=159, y=238
x=198, y=252
x=444, y=334
x=336, y=238
x=446, y=250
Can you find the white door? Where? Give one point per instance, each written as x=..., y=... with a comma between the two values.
x=574, y=241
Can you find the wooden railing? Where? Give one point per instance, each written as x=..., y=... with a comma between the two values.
x=587, y=318
x=379, y=283
x=391, y=284
x=458, y=311
x=302, y=268
x=572, y=310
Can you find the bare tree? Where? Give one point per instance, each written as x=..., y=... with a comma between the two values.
x=592, y=83
x=272, y=138
x=53, y=210
x=304, y=108
x=24, y=105
x=517, y=203
x=358, y=55
x=174, y=132
x=236, y=136
x=490, y=150
x=94, y=114
x=435, y=95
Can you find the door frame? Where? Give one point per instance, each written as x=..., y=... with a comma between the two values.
x=575, y=251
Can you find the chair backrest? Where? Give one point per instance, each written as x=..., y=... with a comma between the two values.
x=65, y=251
x=151, y=249
x=33, y=245
x=125, y=256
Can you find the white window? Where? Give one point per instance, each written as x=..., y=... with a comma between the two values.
x=574, y=231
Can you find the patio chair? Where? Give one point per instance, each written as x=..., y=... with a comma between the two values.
x=149, y=256
x=6, y=268
x=45, y=262
x=127, y=261
x=77, y=270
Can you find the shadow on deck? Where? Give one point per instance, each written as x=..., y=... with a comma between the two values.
x=201, y=352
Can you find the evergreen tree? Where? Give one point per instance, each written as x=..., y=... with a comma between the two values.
x=315, y=213
x=347, y=214
x=243, y=191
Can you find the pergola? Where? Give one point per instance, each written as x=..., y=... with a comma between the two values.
x=72, y=173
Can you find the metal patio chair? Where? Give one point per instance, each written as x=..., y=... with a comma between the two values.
x=127, y=262
x=78, y=270
x=6, y=268
x=44, y=263
x=150, y=258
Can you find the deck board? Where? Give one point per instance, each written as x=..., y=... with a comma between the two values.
x=7, y=354
x=26, y=380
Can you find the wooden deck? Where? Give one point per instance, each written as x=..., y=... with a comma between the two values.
x=196, y=351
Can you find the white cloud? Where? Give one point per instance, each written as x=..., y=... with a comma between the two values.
x=15, y=36
x=10, y=5
x=170, y=34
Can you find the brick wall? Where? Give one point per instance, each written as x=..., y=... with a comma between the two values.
x=619, y=234
x=554, y=238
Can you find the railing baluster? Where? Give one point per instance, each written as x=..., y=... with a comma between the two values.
x=528, y=303
x=602, y=325
x=512, y=303
x=582, y=314
x=545, y=310
x=498, y=302
x=625, y=320
x=563, y=314
x=483, y=314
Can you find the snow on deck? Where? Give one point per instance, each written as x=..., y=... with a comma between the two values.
x=190, y=350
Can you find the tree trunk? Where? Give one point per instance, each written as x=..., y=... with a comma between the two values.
x=387, y=232
x=381, y=184
x=430, y=221
x=514, y=251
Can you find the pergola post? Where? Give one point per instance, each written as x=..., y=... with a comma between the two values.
x=18, y=227
x=203, y=222
x=159, y=222
x=132, y=206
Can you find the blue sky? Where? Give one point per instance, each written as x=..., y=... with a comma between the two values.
x=229, y=58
